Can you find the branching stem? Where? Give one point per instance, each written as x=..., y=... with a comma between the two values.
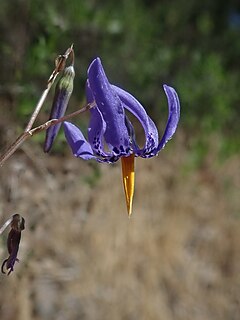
x=26, y=134
x=60, y=63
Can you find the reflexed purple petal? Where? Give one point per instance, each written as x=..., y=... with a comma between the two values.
x=79, y=145
x=173, y=117
x=89, y=94
x=111, y=108
x=135, y=107
x=96, y=128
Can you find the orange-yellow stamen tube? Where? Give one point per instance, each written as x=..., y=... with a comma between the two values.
x=128, y=175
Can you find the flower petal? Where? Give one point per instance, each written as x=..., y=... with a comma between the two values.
x=79, y=145
x=96, y=128
x=173, y=117
x=81, y=148
x=111, y=108
x=150, y=129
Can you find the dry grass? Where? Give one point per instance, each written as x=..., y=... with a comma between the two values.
x=81, y=257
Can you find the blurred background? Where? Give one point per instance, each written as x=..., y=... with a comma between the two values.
x=178, y=257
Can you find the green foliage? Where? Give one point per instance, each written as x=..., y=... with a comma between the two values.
x=193, y=46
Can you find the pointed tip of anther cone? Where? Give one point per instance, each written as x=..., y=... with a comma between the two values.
x=128, y=175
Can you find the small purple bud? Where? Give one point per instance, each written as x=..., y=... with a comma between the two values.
x=62, y=95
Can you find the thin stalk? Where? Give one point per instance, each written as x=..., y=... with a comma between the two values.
x=39, y=105
x=13, y=147
x=5, y=225
x=59, y=66
x=25, y=135
x=53, y=122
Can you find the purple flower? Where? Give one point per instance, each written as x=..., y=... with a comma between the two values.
x=111, y=134
x=110, y=126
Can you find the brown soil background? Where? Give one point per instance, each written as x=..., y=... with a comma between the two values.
x=178, y=257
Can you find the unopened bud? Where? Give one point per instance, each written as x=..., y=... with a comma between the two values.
x=62, y=95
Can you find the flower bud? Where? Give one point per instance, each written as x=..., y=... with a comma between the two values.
x=62, y=95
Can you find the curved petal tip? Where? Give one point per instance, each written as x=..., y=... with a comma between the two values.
x=173, y=115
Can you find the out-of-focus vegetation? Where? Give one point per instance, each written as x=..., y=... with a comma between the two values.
x=81, y=258
x=191, y=45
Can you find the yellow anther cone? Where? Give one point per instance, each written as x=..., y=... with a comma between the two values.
x=128, y=175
